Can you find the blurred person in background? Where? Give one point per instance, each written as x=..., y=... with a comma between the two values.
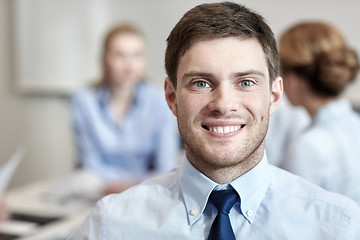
x=317, y=65
x=285, y=124
x=124, y=130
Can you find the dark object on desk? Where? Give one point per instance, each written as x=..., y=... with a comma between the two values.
x=4, y=236
x=39, y=220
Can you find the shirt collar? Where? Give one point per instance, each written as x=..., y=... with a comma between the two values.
x=196, y=188
x=251, y=187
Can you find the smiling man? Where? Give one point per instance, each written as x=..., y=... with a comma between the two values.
x=222, y=101
x=223, y=84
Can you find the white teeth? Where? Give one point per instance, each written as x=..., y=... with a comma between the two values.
x=226, y=129
x=232, y=129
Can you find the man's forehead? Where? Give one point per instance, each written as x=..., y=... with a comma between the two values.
x=216, y=38
x=248, y=56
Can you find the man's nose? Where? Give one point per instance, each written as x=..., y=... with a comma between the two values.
x=224, y=100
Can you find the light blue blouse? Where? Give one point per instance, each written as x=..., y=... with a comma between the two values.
x=273, y=204
x=144, y=145
x=328, y=152
x=285, y=124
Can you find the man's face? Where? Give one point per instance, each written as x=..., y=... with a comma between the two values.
x=223, y=100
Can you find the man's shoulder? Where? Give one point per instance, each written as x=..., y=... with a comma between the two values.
x=153, y=209
x=160, y=188
x=294, y=188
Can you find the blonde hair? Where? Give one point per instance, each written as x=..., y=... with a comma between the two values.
x=317, y=52
x=123, y=28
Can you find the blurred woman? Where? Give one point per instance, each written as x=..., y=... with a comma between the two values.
x=317, y=65
x=124, y=130
x=286, y=123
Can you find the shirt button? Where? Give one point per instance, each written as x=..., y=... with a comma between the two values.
x=250, y=213
x=193, y=212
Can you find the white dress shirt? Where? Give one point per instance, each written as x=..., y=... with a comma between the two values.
x=274, y=204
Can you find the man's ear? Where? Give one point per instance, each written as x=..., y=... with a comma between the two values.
x=276, y=94
x=170, y=95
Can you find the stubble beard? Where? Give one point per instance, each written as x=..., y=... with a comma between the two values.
x=205, y=159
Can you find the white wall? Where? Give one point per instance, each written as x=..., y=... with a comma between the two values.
x=10, y=105
x=41, y=123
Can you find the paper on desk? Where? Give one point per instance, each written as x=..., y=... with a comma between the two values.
x=19, y=228
x=8, y=170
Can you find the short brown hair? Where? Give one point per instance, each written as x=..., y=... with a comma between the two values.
x=317, y=52
x=219, y=20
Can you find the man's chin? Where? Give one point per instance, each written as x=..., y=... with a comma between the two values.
x=220, y=158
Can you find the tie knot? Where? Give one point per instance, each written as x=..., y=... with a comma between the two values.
x=224, y=200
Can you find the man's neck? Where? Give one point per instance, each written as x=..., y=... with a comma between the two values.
x=223, y=175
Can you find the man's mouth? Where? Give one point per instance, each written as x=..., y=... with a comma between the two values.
x=223, y=129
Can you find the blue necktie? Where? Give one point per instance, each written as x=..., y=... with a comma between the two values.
x=223, y=200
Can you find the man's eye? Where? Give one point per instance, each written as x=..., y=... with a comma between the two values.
x=201, y=84
x=246, y=83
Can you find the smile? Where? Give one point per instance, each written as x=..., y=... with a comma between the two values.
x=223, y=129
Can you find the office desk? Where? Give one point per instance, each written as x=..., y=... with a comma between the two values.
x=32, y=199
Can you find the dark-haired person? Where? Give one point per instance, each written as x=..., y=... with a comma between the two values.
x=124, y=130
x=222, y=85
x=317, y=65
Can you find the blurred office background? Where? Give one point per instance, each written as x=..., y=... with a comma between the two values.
x=48, y=48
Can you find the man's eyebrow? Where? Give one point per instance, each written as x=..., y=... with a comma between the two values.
x=250, y=72
x=197, y=74
x=210, y=75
